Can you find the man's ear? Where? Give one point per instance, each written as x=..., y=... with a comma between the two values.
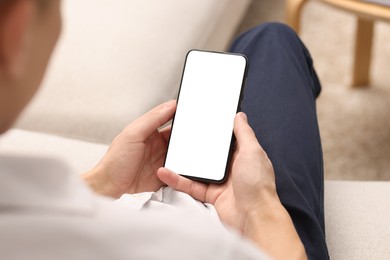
x=15, y=36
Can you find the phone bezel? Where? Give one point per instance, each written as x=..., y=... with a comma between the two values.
x=233, y=139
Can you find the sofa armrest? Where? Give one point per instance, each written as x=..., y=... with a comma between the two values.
x=80, y=156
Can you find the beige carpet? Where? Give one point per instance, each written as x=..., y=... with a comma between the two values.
x=354, y=123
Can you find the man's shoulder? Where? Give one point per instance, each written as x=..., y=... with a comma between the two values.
x=57, y=216
x=113, y=231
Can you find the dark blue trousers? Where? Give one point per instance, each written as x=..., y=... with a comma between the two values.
x=279, y=100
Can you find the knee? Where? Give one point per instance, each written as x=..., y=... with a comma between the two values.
x=271, y=34
x=275, y=31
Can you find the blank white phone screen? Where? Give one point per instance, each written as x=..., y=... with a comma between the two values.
x=203, y=124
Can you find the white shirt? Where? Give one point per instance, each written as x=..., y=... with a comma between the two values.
x=47, y=212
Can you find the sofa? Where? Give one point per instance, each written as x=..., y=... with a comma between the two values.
x=116, y=60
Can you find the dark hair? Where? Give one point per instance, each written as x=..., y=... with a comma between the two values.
x=42, y=3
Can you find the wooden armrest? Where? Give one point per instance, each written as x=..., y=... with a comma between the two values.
x=363, y=9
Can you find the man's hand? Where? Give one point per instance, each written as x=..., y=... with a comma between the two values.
x=132, y=160
x=250, y=185
x=248, y=201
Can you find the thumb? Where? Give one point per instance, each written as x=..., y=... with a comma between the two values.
x=195, y=189
x=243, y=132
x=145, y=125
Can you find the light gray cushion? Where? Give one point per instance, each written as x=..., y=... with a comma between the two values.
x=117, y=59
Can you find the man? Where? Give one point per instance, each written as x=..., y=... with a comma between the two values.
x=47, y=212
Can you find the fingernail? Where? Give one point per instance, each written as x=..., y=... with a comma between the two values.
x=243, y=116
x=170, y=103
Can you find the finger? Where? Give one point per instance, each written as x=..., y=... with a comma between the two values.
x=243, y=132
x=195, y=189
x=166, y=132
x=145, y=125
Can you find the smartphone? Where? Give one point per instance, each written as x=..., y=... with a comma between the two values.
x=210, y=94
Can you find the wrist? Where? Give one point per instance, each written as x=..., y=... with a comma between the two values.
x=268, y=211
x=271, y=228
x=99, y=182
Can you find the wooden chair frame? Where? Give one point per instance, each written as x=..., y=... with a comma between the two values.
x=367, y=14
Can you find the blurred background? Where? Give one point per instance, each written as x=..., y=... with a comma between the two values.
x=354, y=122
